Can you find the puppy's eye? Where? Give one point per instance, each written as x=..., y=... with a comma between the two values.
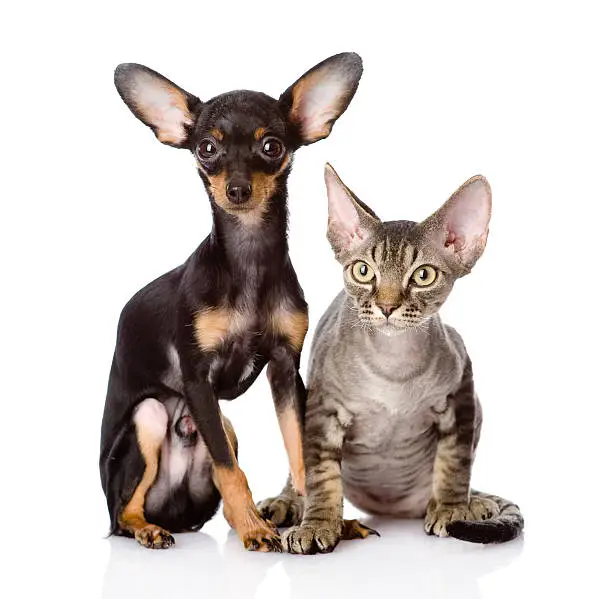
x=362, y=273
x=207, y=149
x=424, y=276
x=272, y=147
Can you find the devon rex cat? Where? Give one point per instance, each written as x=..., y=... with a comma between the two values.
x=392, y=419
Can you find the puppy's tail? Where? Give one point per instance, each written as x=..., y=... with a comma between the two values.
x=505, y=526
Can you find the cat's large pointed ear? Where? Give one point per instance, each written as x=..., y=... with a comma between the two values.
x=157, y=102
x=314, y=102
x=461, y=226
x=350, y=222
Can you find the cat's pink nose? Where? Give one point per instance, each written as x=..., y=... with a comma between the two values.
x=387, y=309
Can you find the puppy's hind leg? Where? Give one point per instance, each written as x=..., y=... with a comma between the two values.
x=151, y=422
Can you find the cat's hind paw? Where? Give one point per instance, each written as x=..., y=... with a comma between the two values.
x=483, y=508
x=440, y=515
x=282, y=511
x=353, y=529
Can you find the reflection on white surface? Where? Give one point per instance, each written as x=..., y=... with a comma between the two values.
x=403, y=559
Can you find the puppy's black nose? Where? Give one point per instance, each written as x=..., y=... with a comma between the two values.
x=238, y=192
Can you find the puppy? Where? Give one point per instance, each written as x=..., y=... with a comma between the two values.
x=205, y=330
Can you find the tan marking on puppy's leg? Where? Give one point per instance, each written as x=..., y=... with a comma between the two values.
x=231, y=433
x=233, y=441
x=290, y=324
x=240, y=511
x=292, y=438
x=151, y=421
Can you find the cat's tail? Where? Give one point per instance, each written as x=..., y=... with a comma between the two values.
x=507, y=525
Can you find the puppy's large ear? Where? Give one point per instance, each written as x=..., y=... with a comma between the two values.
x=157, y=102
x=314, y=102
x=350, y=222
x=460, y=227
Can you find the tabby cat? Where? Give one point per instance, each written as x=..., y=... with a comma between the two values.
x=392, y=419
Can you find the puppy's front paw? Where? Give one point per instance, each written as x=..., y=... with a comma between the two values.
x=154, y=537
x=262, y=538
x=282, y=511
x=310, y=539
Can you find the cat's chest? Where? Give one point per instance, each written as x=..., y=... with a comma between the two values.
x=393, y=396
x=406, y=374
x=396, y=385
x=386, y=413
x=383, y=426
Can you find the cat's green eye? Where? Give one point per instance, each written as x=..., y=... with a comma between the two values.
x=424, y=276
x=362, y=273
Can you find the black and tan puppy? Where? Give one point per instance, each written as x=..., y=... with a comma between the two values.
x=205, y=330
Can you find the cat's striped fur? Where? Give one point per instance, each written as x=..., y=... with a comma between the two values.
x=392, y=419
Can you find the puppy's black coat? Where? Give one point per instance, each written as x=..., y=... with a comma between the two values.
x=205, y=330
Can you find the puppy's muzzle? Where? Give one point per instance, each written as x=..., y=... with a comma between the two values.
x=238, y=191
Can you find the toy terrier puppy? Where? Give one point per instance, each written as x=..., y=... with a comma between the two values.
x=205, y=330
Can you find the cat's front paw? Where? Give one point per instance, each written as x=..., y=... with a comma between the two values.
x=283, y=510
x=310, y=539
x=439, y=515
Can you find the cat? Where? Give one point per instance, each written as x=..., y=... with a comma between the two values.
x=392, y=419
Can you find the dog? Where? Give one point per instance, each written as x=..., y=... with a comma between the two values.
x=205, y=330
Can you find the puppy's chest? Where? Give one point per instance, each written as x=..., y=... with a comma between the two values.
x=234, y=334
x=243, y=335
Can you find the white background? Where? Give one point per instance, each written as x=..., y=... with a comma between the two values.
x=93, y=208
